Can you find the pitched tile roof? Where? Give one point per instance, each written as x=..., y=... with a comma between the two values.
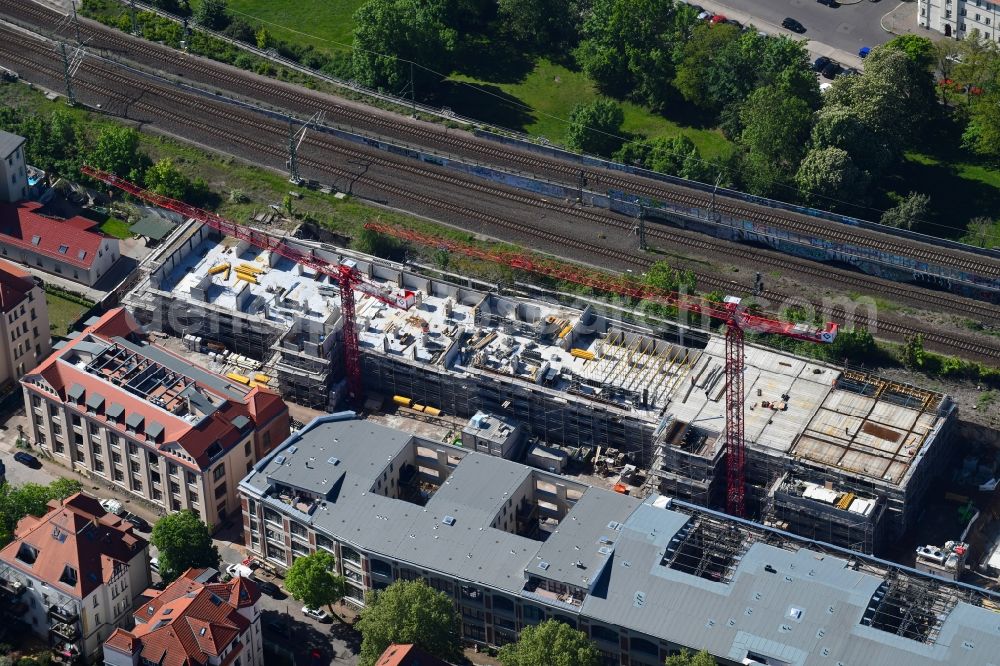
x=216, y=401
x=73, y=241
x=408, y=655
x=14, y=286
x=187, y=623
x=77, y=546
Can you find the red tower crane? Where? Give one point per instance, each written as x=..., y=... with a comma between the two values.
x=344, y=274
x=737, y=320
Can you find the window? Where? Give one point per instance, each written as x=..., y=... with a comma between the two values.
x=57, y=447
x=219, y=472
x=220, y=491
x=116, y=458
x=99, y=466
x=246, y=449
x=136, y=484
x=75, y=420
x=172, y=469
x=193, y=498
x=191, y=477
x=63, y=249
x=119, y=477
x=175, y=488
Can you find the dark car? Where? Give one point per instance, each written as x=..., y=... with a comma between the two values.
x=820, y=63
x=849, y=71
x=138, y=522
x=829, y=3
x=158, y=585
x=793, y=25
x=736, y=24
x=270, y=589
x=831, y=70
x=26, y=458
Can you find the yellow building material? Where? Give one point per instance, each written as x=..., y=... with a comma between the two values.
x=845, y=501
x=215, y=270
x=563, y=333
x=261, y=379
x=582, y=353
x=417, y=407
x=236, y=377
x=250, y=268
x=402, y=400
x=433, y=411
x=252, y=279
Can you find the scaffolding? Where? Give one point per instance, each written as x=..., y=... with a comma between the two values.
x=708, y=547
x=910, y=607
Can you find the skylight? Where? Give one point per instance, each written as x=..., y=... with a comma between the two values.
x=63, y=249
x=35, y=240
x=81, y=255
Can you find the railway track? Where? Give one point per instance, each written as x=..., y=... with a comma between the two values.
x=196, y=111
x=462, y=144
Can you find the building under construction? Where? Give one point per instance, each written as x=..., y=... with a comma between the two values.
x=836, y=455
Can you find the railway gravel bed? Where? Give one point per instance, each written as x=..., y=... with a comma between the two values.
x=227, y=129
x=359, y=117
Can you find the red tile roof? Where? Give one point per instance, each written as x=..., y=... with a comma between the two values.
x=14, y=286
x=78, y=545
x=408, y=655
x=20, y=223
x=188, y=622
x=195, y=439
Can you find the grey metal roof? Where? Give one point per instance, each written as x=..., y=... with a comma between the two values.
x=115, y=410
x=95, y=400
x=9, y=143
x=793, y=603
x=154, y=429
x=134, y=420
x=241, y=422
x=76, y=391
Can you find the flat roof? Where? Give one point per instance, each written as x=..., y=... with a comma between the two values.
x=779, y=596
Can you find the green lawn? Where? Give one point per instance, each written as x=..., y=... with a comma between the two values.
x=325, y=24
x=115, y=227
x=63, y=313
x=540, y=103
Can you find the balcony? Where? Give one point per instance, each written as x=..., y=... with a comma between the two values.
x=67, y=632
x=14, y=588
x=66, y=613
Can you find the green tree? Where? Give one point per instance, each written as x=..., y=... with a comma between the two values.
x=213, y=14
x=312, y=581
x=627, y=47
x=893, y=97
x=390, y=34
x=117, y=151
x=183, y=541
x=775, y=128
x=982, y=133
x=686, y=658
x=16, y=502
x=675, y=155
x=539, y=25
x=263, y=38
x=912, y=353
x=909, y=212
x=551, y=643
x=409, y=612
x=920, y=50
x=829, y=176
x=166, y=179
x=699, y=56
x=595, y=127
x=836, y=126
x=855, y=344
x=982, y=232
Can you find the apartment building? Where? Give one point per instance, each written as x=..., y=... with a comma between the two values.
x=193, y=622
x=643, y=578
x=13, y=170
x=129, y=413
x=959, y=18
x=24, y=326
x=72, y=574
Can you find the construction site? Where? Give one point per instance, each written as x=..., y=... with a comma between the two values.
x=835, y=455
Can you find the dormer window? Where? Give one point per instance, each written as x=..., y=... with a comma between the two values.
x=27, y=553
x=68, y=576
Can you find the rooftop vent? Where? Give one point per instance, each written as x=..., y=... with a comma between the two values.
x=280, y=460
x=544, y=566
x=293, y=449
x=639, y=600
x=448, y=520
x=333, y=461
x=604, y=550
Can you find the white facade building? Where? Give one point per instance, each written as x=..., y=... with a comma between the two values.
x=959, y=18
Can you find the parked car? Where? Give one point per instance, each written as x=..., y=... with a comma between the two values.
x=112, y=506
x=270, y=589
x=26, y=458
x=159, y=585
x=717, y=19
x=831, y=70
x=235, y=570
x=154, y=565
x=317, y=614
x=791, y=24
x=820, y=63
x=138, y=522
x=733, y=22
x=829, y=3
x=704, y=16
x=864, y=51
x=849, y=71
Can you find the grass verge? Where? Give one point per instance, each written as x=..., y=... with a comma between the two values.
x=63, y=313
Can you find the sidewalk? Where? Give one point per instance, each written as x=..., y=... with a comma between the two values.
x=815, y=48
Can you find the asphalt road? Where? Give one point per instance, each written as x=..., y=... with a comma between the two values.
x=847, y=27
